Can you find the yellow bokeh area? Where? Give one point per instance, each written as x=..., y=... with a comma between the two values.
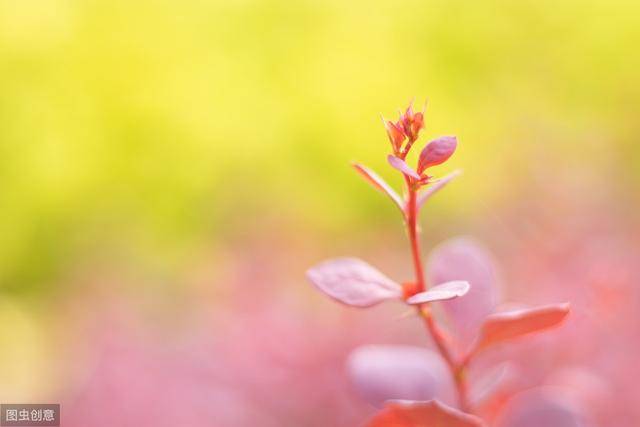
x=142, y=132
x=25, y=369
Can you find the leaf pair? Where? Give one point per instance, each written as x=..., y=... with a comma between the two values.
x=353, y=282
x=379, y=184
x=474, y=318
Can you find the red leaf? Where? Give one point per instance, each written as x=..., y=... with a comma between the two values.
x=423, y=414
x=400, y=165
x=379, y=183
x=508, y=325
x=443, y=292
x=353, y=282
x=435, y=187
x=436, y=152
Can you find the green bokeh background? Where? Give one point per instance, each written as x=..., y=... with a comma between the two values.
x=143, y=132
x=138, y=136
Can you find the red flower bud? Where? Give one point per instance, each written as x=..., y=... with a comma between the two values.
x=437, y=152
x=406, y=119
x=418, y=124
x=396, y=134
x=412, y=122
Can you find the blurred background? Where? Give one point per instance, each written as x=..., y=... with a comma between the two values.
x=168, y=171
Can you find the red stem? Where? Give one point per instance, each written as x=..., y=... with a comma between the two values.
x=412, y=229
x=456, y=368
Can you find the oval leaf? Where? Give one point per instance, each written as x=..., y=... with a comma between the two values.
x=379, y=184
x=443, y=292
x=436, y=152
x=400, y=165
x=353, y=282
x=435, y=187
x=383, y=372
x=464, y=259
x=509, y=325
x=423, y=414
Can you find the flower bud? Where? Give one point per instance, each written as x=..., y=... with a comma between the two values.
x=412, y=122
x=437, y=152
x=417, y=124
x=396, y=134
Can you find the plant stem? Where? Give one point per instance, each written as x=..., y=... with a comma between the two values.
x=456, y=368
x=412, y=229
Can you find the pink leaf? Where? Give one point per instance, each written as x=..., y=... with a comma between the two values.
x=378, y=183
x=443, y=292
x=509, y=325
x=353, y=282
x=464, y=259
x=436, y=152
x=400, y=165
x=435, y=187
x=383, y=372
x=423, y=414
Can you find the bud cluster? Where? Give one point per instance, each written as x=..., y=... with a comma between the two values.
x=407, y=128
x=403, y=134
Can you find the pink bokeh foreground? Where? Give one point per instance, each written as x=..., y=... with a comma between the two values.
x=267, y=359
